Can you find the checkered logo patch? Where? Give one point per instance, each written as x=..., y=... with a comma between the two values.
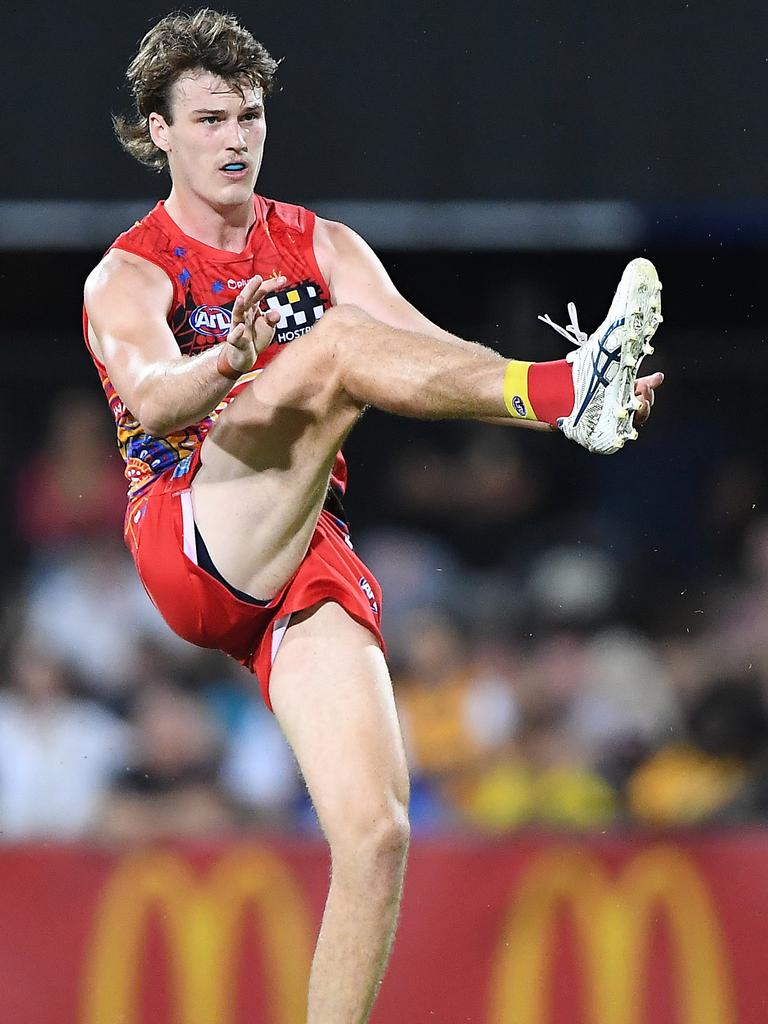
x=300, y=307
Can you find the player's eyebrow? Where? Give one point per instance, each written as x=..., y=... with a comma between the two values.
x=254, y=108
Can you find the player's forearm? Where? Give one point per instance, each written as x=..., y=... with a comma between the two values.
x=510, y=421
x=174, y=395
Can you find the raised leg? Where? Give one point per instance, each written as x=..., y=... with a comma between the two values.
x=267, y=460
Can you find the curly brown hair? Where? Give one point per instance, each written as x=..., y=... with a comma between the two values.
x=205, y=40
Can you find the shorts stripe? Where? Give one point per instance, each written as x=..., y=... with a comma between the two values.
x=188, y=525
x=278, y=632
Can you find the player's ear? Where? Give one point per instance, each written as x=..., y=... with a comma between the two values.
x=158, y=131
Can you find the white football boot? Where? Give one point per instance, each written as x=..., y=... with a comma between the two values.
x=606, y=364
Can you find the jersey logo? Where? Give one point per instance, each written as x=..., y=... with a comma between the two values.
x=367, y=589
x=300, y=307
x=213, y=321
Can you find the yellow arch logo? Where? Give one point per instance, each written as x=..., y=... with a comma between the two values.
x=613, y=922
x=202, y=918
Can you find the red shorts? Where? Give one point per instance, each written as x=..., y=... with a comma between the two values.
x=159, y=532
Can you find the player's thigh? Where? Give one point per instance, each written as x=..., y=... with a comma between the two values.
x=296, y=411
x=264, y=473
x=332, y=695
x=257, y=506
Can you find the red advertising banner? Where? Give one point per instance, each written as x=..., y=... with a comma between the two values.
x=547, y=930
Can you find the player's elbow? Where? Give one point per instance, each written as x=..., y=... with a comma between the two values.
x=155, y=407
x=155, y=420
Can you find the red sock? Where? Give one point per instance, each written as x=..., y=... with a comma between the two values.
x=550, y=390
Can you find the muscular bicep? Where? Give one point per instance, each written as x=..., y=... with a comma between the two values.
x=356, y=275
x=127, y=301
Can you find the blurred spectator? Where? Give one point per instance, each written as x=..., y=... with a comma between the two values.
x=415, y=571
x=172, y=786
x=450, y=715
x=549, y=774
x=479, y=492
x=93, y=610
x=570, y=584
x=57, y=752
x=74, y=488
x=696, y=780
x=454, y=713
x=546, y=778
x=626, y=695
x=258, y=768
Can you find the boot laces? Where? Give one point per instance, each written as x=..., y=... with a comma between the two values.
x=571, y=332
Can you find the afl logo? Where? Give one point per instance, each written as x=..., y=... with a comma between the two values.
x=213, y=321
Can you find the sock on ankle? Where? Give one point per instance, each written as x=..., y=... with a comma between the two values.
x=539, y=391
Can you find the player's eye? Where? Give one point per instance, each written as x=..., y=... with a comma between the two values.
x=209, y=120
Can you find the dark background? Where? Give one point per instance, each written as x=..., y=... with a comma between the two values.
x=662, y=100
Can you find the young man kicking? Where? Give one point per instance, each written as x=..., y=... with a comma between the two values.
x=232, y=454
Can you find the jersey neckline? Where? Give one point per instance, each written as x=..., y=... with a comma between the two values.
x=218, y=255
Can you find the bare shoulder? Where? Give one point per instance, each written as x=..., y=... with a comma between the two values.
x=336, y=243
x=332, y=236
x=352, y=269
x=122, y=276
x=125, y=298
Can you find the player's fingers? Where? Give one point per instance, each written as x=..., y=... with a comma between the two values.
x=645, y=391
x=251, y=288
x=272, y=284
x=246, y=299
x=238, y=310
x=264, y=332
x=652, y=380
x=237, y=336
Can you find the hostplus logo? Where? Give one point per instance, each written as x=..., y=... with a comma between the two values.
x=300, y=307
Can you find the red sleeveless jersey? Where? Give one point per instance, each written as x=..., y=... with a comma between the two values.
x=206, y=282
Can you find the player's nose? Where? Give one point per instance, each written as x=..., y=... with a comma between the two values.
x=238, y=138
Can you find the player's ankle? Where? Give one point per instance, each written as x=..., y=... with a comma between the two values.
x=539, y=391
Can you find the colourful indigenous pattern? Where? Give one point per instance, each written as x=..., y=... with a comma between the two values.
x=206, y=282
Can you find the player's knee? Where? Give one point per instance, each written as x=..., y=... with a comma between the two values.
x=390, y=836
x=339, y=328
x=345, y=318
x=377, y=844
x=383, y=847
x=326, y=356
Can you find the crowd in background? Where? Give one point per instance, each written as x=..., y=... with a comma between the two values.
x=548, y=671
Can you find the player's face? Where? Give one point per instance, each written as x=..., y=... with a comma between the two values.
x=216, y=139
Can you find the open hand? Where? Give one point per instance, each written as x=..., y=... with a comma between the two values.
x=252, y=329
